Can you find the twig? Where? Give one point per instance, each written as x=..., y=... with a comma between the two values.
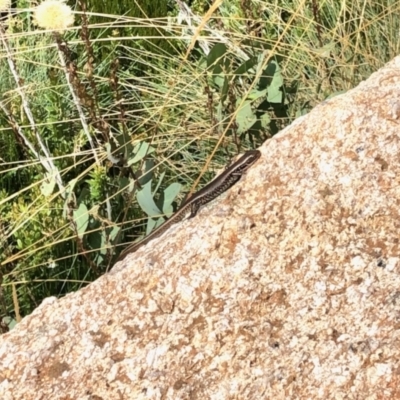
x=61, y=46
x=45, y=161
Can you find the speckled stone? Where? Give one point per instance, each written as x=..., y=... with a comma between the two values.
x=287, y=287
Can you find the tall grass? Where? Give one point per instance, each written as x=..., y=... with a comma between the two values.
x=104, y=127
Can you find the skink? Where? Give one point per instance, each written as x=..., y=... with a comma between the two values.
x=216, y=187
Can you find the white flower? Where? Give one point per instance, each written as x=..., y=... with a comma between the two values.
x=53, y=15
x=5, y=5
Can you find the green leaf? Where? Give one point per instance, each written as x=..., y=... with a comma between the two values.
x=256, y=94
x=160, y=179
x=146, y=201
x=325, y=51
x=170, y=194
x=220, y=81
x=110, y=156
x=47, y=185
x=267, y=74
x=275, y=94
x=224, y=90
x=265, y=120
x=81, y=219
x=153, y=224
x=245, y=118
x=11, y=322
x=216, y=55
x=114, y=232
x=246, y=66
x=140, y=151
x=148, y=172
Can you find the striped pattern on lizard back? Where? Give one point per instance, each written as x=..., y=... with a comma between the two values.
x=219, y=185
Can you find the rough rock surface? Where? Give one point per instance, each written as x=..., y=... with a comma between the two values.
x=286, y=288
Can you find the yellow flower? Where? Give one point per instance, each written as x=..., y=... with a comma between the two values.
x=53, y=15
x=5, y=5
